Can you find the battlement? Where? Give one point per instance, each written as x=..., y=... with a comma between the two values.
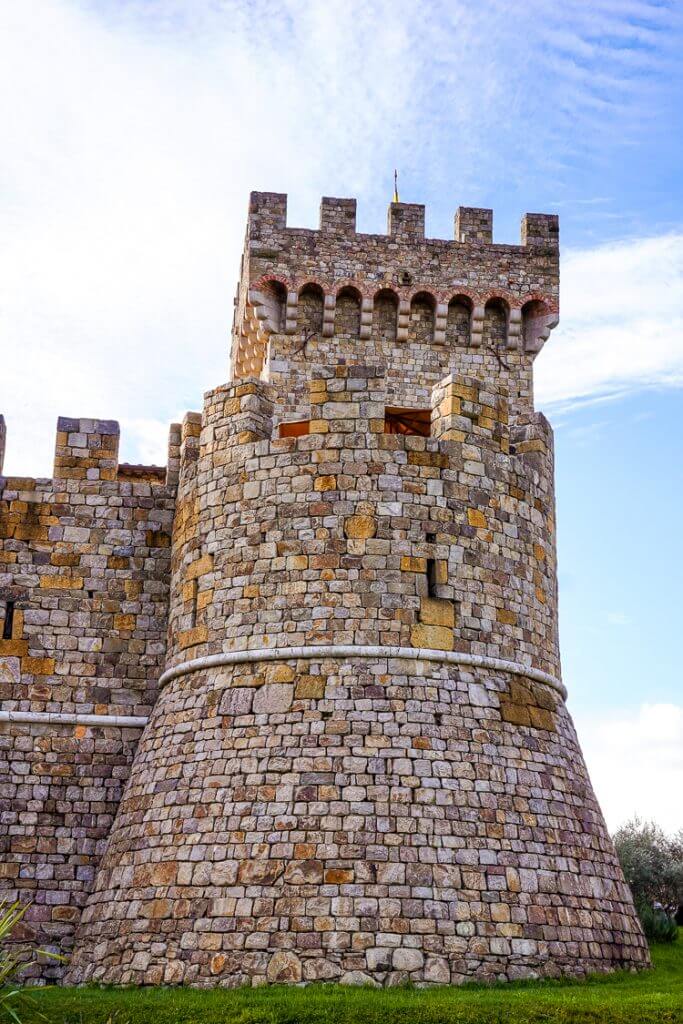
x=87, y=451
x=399, y=299
x=267, y=219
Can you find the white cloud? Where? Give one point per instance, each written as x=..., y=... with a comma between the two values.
x=133, y=131
x=622, y=322
x=635, y=760
x=130, y=157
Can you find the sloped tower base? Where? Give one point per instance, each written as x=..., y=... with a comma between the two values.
x=386, y=785
x=360, y=766
x=357, y=818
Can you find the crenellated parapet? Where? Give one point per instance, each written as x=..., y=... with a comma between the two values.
x=339, y=293
x=84, y=560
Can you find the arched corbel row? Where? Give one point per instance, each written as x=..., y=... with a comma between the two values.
x=529, y=319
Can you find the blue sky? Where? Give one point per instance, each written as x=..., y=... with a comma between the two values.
x=133, y=133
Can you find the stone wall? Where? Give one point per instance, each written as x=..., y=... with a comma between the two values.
x=290, y=708
x=360, y=766
x=84, y=571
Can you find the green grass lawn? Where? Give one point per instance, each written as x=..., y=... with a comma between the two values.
x=655, y=997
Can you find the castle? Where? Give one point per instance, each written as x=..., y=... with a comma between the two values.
x=289, y=709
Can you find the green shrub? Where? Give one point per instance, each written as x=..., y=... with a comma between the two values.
x=13, y=958
x=657, y=924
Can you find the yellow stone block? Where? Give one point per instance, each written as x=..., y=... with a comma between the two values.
x=411, y=563
x=251, y=590
x=542, y=719
x=439, y=638
x=124, y=622
x=530, y=446
x=539, y=552
x=280, y=673
x=61, y=583
x=204, y=598
x=297, y=562
x=310, y=687
x=319, y=427
x=436, y=611
x=470, y=394
x=515, y=714
x=14, y=648
x=199, y=567
x=191, y=637
x=38, y=666
x=325, y=483
x=360, y=527
x=476, y=518
x=506, y=616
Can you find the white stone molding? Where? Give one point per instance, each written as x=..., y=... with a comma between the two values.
x=73, y=718
x=362, y=651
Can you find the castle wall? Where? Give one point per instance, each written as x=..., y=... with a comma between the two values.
x=84, y=573
x=360, y=766
x=291, y=708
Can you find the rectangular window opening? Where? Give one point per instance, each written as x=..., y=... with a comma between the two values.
x=431, y=578
x=408, y=421
x=8, y=625
x=193, y=610
x=296, y=429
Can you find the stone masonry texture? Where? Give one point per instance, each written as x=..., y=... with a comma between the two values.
x=336, y=611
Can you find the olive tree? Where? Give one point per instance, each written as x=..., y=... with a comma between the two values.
x=652, y=863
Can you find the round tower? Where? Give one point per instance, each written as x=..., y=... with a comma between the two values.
x=360, y=766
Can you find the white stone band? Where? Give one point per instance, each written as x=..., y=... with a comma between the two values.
x=73, y=718
x=362, y=651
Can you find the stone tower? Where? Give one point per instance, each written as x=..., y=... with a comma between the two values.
x=360, y=765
